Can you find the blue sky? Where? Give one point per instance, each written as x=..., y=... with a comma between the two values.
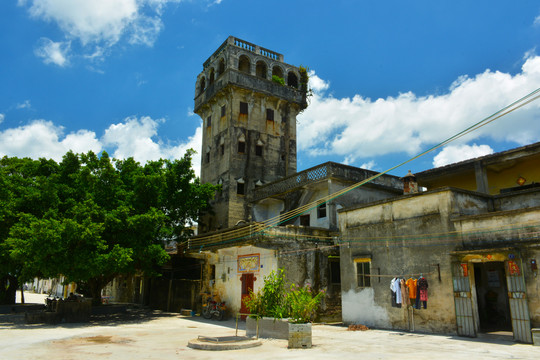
x=390, y=78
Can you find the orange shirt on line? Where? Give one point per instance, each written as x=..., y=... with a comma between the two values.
x=411, y=284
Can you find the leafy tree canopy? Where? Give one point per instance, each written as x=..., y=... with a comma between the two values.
x=90, y=218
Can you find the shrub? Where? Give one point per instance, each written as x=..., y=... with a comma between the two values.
x=278, y=79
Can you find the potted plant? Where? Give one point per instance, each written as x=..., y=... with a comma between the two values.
x=303, y=302
x=269, y=305
x=272, y=303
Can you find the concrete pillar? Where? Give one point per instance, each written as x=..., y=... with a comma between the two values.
x=481, y=178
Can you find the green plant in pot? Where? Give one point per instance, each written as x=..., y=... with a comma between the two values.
x=303, y=303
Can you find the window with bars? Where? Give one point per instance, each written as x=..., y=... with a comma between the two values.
x=209, y=121
x=258, y=150
x=363, y=272
x=223, y=111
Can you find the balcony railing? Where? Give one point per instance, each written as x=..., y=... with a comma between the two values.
x=322, y=172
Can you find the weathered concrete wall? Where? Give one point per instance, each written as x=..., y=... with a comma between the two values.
x=418, y=234
x=295, y=249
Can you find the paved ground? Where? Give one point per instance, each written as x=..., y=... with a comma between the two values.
x=144, y=335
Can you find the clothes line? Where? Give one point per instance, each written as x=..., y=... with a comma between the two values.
x=438, y=272
x=401, y=276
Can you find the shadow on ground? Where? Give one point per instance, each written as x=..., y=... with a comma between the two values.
x=131, y=315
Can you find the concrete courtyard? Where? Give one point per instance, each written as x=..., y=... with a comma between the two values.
x=156, y=335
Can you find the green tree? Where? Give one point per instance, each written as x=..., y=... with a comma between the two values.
x=90, y=218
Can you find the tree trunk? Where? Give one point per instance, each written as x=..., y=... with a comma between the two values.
x=22, y=294
x=96, y=285
x=8, y=290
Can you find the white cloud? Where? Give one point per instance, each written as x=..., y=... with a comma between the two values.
x=455, y=153
x=537, y=21
x=137, y=138
x=361, y=128
x=24, y=105
x=2, y=117
x=53, y=52
x=42, y=138
x=133, y=137
x=98, y=24
x=370, y=165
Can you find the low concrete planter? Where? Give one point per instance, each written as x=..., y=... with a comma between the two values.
x=268, y=328
x=536, y=336
x=300, y=336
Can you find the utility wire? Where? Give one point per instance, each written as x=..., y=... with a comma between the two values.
x=260, y=227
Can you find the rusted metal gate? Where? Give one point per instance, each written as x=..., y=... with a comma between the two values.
x=462, y=300
x=517, y=297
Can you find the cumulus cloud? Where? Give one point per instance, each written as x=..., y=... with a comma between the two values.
x=53, y=52
x=359, y=128
x=134, y=137
x=455, y=153
x=42, y=138
x=97, y=24
x=2, y=117
x=138, y=138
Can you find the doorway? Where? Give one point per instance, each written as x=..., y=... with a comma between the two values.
x=492, y=297
x=247, y=287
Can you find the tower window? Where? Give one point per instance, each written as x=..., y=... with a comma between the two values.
x=269, y=114
x=258, y=150
x=223, y=111
x=241, y=147
x=292, y=80
x=243, y=108
x=284, y=119
x=321, y=211
x=261, y=70
x=240, y=187
x=207, y=157
x=209, y=121
x=222, y=149
x=244, y=64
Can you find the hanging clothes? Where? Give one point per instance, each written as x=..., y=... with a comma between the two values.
x=422, y=289
x=411, y=284
x=395, y=285
x=393, y=293
x=405, y=300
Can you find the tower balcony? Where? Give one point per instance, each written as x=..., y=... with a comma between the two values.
x=236, y=78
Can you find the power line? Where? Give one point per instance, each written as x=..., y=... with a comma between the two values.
x=258, y=228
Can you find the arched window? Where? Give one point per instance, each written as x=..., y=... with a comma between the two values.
x=244, y=64
x=202, y=85
x=292, y=80
x=261, y=69
x=212, y=75
x=241, y=144
x=276, y=70
x=221, y=68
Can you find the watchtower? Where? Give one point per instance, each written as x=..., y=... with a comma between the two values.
x=248, y=99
